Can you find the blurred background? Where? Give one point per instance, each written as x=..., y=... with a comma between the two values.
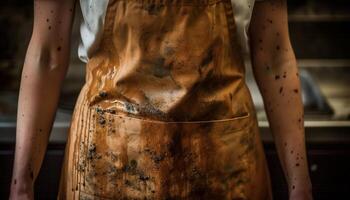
x=320, y=34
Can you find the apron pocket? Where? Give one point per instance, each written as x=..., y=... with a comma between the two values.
x=140, y=158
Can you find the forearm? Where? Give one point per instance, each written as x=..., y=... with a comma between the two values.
x=276, y=72
x=44, y=69
x=280, y=87
x=40, y=86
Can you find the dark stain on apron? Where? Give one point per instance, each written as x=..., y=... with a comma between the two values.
x=165, y=112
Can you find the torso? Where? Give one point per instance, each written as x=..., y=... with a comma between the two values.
x=165, y=112
x=94, y=13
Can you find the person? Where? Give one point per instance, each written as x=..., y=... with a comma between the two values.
x=165, y=112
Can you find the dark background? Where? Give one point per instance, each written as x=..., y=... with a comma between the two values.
x=320, y=34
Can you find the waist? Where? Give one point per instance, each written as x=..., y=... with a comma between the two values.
x=173, y=104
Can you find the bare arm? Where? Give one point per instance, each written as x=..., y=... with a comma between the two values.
x=44, y=69
x=276, y=72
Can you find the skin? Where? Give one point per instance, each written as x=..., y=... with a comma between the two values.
x=276, y=72
x=46, y=65
x=44, y=69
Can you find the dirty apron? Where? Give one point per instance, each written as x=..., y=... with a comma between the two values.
x=165, y=112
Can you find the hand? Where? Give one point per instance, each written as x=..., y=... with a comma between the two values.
x=20, y=190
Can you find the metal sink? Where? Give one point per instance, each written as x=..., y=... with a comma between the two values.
x=314, y=101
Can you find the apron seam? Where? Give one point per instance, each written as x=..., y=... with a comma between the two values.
x=246, y=115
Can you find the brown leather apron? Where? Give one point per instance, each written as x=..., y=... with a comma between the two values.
x=165, y=112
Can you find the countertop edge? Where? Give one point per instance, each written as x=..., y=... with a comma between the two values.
x=315, y=132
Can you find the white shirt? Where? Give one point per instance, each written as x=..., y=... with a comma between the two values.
x=94, y=12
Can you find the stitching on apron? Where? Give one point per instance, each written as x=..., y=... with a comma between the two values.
x=107, y=33
x=229, y=15
x=232, y=29
x=241, y=117
x=222, y=126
